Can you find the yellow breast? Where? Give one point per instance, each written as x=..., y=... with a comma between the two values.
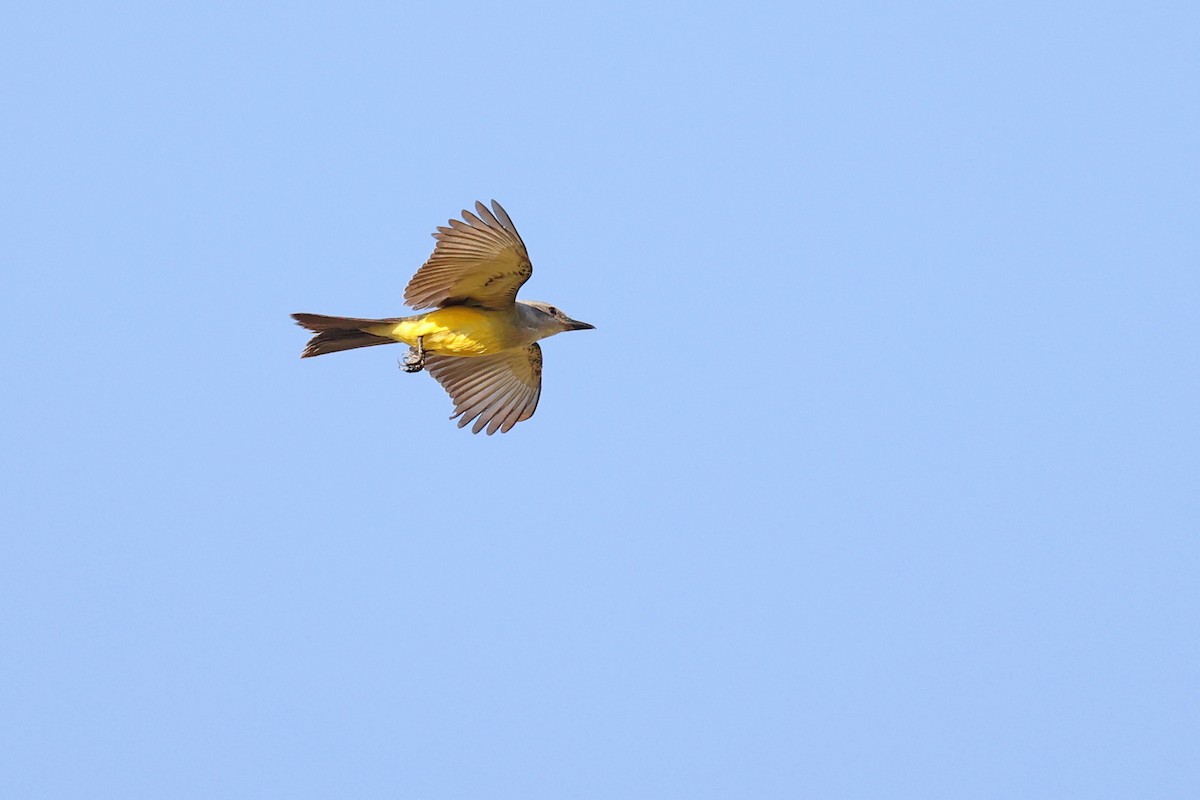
x=455, y=330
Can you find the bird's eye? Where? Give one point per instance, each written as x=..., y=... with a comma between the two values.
x=554, y=311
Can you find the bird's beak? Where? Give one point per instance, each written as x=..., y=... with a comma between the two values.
x=576, y=325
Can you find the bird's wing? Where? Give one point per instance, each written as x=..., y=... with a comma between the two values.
x=496, y=391
x=479, y=261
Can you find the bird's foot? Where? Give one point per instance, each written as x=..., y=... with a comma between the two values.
x=414, y=361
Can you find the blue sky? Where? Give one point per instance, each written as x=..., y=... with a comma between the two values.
x=878, y=477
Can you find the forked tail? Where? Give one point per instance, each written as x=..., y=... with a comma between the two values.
x=335, y=334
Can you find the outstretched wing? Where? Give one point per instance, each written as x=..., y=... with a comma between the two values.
x=496, y=391
x=478, y=261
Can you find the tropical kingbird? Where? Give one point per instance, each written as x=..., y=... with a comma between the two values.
x=479, y=342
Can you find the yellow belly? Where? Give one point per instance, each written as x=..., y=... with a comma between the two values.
x=455, y=330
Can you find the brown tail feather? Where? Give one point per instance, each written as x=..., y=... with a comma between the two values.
x=335, y=334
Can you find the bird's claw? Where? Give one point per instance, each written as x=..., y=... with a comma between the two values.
x=414, y=361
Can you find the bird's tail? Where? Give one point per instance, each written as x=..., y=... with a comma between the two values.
x=335, y=334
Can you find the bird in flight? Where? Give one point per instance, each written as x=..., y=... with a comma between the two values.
x=479, y=342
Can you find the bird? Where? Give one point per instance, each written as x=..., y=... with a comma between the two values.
x=479, y=342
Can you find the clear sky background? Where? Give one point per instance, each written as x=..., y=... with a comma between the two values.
x=878, y=477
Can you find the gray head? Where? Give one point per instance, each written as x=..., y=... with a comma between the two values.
x=553, y=319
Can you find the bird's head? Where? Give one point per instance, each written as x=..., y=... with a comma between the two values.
x=551, y=319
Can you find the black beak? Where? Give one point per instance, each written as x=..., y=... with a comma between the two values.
x=576, y=325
